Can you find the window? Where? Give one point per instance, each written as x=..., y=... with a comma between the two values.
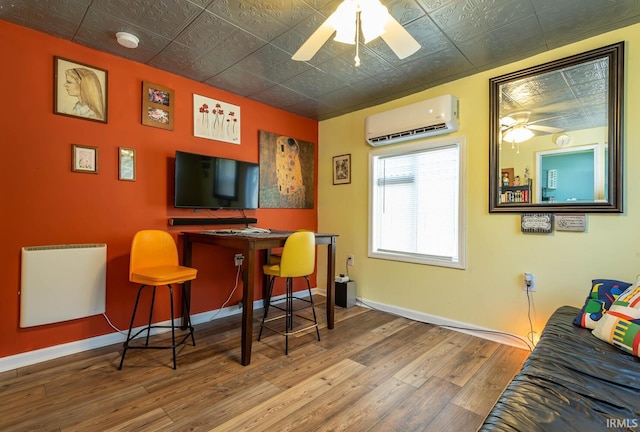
x=416, y=211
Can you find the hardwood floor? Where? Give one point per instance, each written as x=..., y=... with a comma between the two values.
x=373, y=372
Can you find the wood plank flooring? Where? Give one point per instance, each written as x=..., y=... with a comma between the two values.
x=373, y=372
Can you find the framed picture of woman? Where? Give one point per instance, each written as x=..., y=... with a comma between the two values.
x=80, y=90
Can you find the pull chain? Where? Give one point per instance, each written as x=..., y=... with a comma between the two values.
x=357, y=57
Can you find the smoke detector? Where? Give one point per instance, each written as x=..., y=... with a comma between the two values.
x=127, y=40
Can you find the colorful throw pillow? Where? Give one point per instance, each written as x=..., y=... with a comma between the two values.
x=620, y=325
x=603, y=293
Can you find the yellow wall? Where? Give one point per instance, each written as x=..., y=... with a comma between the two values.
x=489, y=292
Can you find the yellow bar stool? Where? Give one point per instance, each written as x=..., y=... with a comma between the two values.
x=154, y=262
x=298, y=260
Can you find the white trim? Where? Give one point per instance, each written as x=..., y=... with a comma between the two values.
x=462, y=327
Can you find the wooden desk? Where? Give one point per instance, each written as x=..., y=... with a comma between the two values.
x=250, y=245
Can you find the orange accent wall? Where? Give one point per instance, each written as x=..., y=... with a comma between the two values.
x=45, y=203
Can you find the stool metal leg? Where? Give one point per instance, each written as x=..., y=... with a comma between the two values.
x=173, y=328
x=153, y=301
x=313, y=308
x=125, y=345
x=188, y=313
x=289, y=314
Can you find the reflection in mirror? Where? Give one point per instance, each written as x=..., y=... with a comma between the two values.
x=555, y=141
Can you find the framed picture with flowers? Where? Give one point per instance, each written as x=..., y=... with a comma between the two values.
x=84, y=159
x=216, y=120
x=157, y=105
x=80, y=90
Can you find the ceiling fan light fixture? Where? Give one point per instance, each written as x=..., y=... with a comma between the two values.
x=343, y=20
x=373, y=18
x=353, y=17
x=518, y=134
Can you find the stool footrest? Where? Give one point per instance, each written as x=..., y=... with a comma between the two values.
x=128, y=345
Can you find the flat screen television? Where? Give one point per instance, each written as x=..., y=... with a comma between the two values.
x=209, y=182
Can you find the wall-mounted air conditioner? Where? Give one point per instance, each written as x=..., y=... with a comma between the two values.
x=431, y=117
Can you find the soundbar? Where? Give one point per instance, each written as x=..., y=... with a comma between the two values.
x=211, y=221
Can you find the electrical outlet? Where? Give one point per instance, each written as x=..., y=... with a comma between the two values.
x=350, y=260
x=237, y=259
x=529, y=282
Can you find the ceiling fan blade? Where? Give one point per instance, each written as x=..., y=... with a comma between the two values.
x=315, y=41
x=548, y=129
x=399, y=39
x=508, y=121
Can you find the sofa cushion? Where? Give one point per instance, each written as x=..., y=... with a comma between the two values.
x=620, y=325
x=601, y=296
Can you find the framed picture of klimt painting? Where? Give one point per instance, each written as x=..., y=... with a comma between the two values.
x=80, y=90
x=287, y=171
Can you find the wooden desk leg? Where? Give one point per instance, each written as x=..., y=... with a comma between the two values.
x=186, y=287
x=248, y=282
x=331, y=282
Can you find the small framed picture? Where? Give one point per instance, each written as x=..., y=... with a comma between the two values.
x=84, y=159
x=80, y=90
x=158, y=103
x=342, y=169
x=126, y=164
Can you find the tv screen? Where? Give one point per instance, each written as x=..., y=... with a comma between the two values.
x=210, y=182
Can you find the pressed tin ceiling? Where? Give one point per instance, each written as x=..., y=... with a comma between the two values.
x=245, y=46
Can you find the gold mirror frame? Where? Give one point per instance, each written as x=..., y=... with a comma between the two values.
x=614, y=54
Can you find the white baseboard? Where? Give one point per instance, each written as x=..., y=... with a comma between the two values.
x=50, y=353
x=481, y=332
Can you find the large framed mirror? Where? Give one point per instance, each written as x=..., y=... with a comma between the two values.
x=555, y=135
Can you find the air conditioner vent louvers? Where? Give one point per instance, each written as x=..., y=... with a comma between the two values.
x=427, y=118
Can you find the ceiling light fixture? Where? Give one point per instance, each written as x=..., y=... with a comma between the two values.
x=352, y=17
x=127, y=40
x=517, y=134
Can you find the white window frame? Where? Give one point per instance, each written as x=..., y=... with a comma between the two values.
x=458, y=142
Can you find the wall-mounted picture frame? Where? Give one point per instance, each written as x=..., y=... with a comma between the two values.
x=216, y=120
x=80, y=90
x=157, y=105
x=84, y=159
x=287, y=171
x=541, y=223
x=126, y=164
x=342, y=169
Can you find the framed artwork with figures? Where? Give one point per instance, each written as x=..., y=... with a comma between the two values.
x=80, y=90
x=342, y=169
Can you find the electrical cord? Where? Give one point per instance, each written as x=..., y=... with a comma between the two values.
x=521, y=339
x=104, y=314
x=531, y=332
x=238, y=272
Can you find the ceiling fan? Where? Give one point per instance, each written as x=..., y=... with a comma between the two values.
x=353, y=16
x=517, y=128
